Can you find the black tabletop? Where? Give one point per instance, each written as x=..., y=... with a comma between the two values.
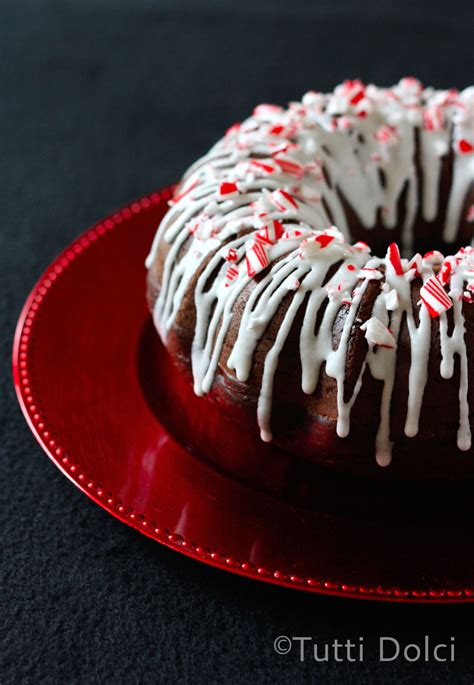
x=101, y=101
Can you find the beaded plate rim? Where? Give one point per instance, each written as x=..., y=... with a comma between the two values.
x=62, y=455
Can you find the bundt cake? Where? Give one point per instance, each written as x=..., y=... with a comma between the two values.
x=339, y=352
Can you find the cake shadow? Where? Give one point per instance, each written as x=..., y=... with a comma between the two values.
x=203, y=427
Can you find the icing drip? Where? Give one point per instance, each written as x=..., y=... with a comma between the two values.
x=260, y=204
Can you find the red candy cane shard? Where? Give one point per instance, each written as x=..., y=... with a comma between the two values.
x=394, y=259
x=193, y=226
x=282, y=200
x=444, y=275
x=276, y=130
x=311, y=247
x=267, y=167
x=361, y=246
x=434, y=297
x=292, y=234
x=465, y=147
x=324, y=239
x=354, y=91
x=289, y=165
x=433, y=118
x=230, y=275
x=256, y=259
x=270, y=233
x=231, y=255
x=228, y=191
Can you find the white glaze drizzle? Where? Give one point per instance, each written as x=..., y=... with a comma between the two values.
x=314, y=151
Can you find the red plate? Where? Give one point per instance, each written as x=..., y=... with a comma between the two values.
x=86, y=359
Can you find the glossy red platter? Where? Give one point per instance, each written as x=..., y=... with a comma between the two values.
x=86, y=361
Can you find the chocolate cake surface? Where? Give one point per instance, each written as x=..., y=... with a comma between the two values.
x=334, y=350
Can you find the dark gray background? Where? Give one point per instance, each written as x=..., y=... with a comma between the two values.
x=100, y=102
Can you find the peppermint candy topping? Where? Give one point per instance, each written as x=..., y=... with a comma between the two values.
x=416, y=265
x=393, y=258
x=295, y=233
x=446, y=270
x=283, y=201
x=392, y=300
x=230, y=275
x=354, y=91
x=256, y=258
x=231, y=255
x=386, y=135
x=315, y=245
x=465, y=147
x=269, y=235
x=266, y=112
x=360, y=246
x=370, y=274
x=433, y=257
x=289, y=165
x=433, y=118
x=434, y=297
x=378, y=334
x=266, y=167
x=228, y=191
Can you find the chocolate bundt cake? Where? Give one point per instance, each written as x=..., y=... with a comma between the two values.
x=335, y=350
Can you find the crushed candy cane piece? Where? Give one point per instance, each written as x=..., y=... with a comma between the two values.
x=228, y=190
x=434, y=297
x=378, y=334
x=433, y=118
x=336, y=290
x=193, y=226
x=270, y=233
x=361, y=246
x=265, y=167
x=256, y=258
x=393, y=258
x=282, y=200
x=386, y=134
x=293, y=284
x=392, y=301
x=416, y=264
x=370, y=274
x=433, y=257
x=231, y=255
x=296, y=233
x=311, y=247
x=465, y=147
x=446, y=270
x=267, y=112
x=230, y=275
x=353, y=90
x=288, y=164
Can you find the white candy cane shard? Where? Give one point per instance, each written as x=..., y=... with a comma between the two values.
x=378, y=334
